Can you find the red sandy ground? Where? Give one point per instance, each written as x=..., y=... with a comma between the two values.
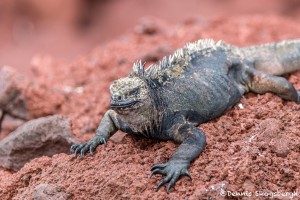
x=252, y=149
x=55, y=27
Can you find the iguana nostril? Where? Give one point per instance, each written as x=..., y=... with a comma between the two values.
x=116, y=97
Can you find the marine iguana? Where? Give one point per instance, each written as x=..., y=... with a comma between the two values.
x=199, y=82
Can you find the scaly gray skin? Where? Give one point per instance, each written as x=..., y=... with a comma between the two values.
x=197, y=83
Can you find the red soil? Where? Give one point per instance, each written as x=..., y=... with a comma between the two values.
x=252, y=149
x=70, y=28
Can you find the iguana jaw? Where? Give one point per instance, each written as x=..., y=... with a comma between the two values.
x=123, y=103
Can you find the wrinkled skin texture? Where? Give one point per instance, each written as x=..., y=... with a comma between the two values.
x=197, y=83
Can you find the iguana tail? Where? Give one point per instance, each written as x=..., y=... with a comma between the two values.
x=274, y=58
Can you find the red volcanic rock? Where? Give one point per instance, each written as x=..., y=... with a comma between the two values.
x=44, y=136
x=49, y=192
x=244, y=150
x=22, y=99
x=12, y=100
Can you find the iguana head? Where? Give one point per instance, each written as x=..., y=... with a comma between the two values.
x=128, y=93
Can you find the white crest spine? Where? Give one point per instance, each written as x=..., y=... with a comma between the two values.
x=153, y=70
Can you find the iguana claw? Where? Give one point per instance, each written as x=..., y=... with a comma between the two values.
x=172, y=171
x=88, y=146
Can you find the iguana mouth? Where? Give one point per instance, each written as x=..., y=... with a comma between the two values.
x=122, y=103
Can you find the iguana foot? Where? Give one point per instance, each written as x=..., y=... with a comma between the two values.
x=172, y=170
x=90, y=145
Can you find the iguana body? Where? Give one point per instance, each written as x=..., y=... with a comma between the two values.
x=197, y=83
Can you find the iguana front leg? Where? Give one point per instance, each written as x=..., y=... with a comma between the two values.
x=193, y=142
x=108, y=126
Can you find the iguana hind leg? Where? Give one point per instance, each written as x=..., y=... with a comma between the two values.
x=261, y=82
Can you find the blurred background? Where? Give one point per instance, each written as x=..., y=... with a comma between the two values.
x=66, y=29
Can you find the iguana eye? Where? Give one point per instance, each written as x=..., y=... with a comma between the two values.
x=134, y=92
